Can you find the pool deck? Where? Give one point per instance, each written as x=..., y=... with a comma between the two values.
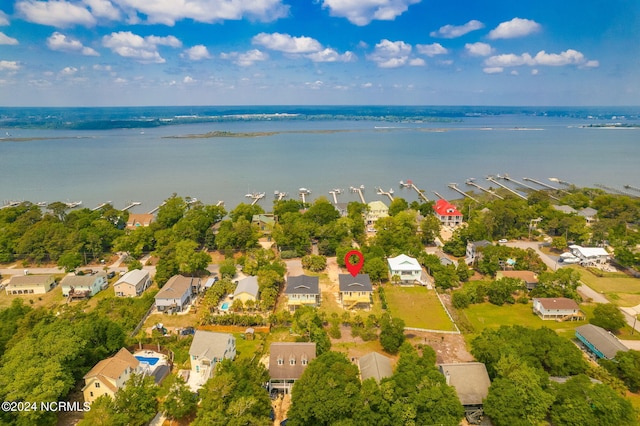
x=160, y=370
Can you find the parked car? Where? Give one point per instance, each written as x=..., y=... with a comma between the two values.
x=111, y=274
x=503, y=240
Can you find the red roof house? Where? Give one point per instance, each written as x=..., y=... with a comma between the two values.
x=447, y=213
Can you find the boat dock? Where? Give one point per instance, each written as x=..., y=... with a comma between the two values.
x=438, y=195
x=334, y=193
x=220, y=203
x=359, y=190
x=132, y=204
x=419, y=191
x=454, y=186
x=544, y=185
x=100, y=206
x=524, y=185
x=560, y=181
x=492, y=180
x=279, y=195
x=631, y=187
x=152, y=211
x=615, y=191
x=471, y=182
x=256, y=196
x=380, y=191
x=303, y=194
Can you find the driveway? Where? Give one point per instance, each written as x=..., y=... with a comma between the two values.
x=294, y=267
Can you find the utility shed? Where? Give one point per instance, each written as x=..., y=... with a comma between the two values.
x=471, y=382
x=599, y=341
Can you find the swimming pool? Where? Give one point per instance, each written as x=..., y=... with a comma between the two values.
x=149, y=360
x=225, y=306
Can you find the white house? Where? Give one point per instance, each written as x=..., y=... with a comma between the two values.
x=557, y=308
x=376, y=210
x=473, y=250
x=132, y=284
x=407, y=268
x=84, y=285
x=207, y=349
x=590, y=255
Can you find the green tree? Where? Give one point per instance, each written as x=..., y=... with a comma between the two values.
x=376, y=268
x=321, y=212
x=391, y=333
x=70, y=261
x=609, y=317
x=190, y=260
x=398, y=205
x=429, y=229
x=136, y=403
x=314, y=263
x=245, y=211
x=228, y=268
x=179, y=401
x=170, y=212
x=102, y=413
x=626, y=367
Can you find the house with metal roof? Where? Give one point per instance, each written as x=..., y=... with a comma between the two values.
x=206, y=350
x=376, y=210
x=287, y=362
x=471, y=382
x=590, y=255
x=302, y=290
x=599, y=342
x=132, y=284
x=355, y=292
x=247, y=289
x=557, y=308
x=407, y=269
x=447, y=213
x=109, y=375
x=30, y=284
x=374, y=365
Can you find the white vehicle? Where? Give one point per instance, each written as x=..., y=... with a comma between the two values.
x=503, y=240
x=570, y=260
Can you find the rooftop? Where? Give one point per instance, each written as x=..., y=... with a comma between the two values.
x=286, y=351
x=302, y=284
x=403, y=262
x=560, y=303
x=20, y=280
x=470, y=380
x=247, y=285
x=375, y=365
x=209, y=345
x=601, y=339
x=175, y=287
x=360, y=282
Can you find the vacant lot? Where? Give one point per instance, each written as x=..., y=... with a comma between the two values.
x=418, y=307
x=619, y=288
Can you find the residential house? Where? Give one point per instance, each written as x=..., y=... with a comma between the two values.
x=109, y=375
x=589, y=214
x=302, y=290
x=374, y=365
x=355, y=292
x=590, y=255
x=375, y=210
x=447, y=213
x=599, y=342
x=247, y=289
x=264, y=222
x=342, y=209
x=84, y=285
x=132, y=284
x=287, y=362
x=564, y=209
x=529, y=278
x=176, y=294
x=557, y=308
x=206, y=350
x=137, y=220
x=407, y=269
x=473, y=250
x=30, y=284
x=471, y=382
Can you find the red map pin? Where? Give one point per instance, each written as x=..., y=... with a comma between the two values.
x=351, y=267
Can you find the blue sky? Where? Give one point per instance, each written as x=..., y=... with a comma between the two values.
x=246, y=52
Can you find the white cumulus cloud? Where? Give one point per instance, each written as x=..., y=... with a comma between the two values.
x=145, y=50
x=168, y=12
x=362, y=12
x=454, y=31
x=331, y=55
x=103, y=9
x=542, y=58
x=68, y=71
x=245, y=59
x=493, y=70
x=478, y=49
x=391, y=54
x=60, y=42
x=189, y=80
x=431, y=49
x=9, y=66
x=60, y=14
x=286, y=43
x=5, y=39
x=4, y=20
x=509, y=60
x=197, y=53
x=417, y=62
x=517, y=27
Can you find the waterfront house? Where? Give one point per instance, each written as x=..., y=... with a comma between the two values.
x=590, y=255
x=287, y=362
x=30, y=284
x=83, y=285
x=447, y=213
x=342, y=208
x=529, y=278
x=302, y=290
x=473, y=250
x=206, y=350
x=137, y=220
x=109, y=375
x=247, y=289
x=374, y=365
x=264, y=222
x=471, y=382
x=589, y=214
x=176, y=294
x=557, y=308
x=355, y=292
x=407, y=269
x=132, y=284
x=375, y=211
x=599, y=342
x=564, y=209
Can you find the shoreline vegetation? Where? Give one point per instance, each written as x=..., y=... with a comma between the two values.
x=227, y=134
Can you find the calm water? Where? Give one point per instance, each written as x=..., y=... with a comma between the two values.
x=122, y=165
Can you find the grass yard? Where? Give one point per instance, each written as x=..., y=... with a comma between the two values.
x=418, y=307
x=619, y=288
x=48, y=300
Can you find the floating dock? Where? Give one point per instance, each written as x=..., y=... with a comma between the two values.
x=454, y=186
x=492, y=180
x=471, y=182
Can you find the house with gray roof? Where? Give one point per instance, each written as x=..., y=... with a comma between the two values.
x=132, y=284
x=471, y=382
x=374, y=365
x=599, y=342
x=473, y=250
x=355, y=292
x=247, y=289
x=84, y=285
x=287, y=362
x=176, y=294
x=564, y=209
x=206, y=350
x=589, y=214
x=302, y=290
x=30, y=284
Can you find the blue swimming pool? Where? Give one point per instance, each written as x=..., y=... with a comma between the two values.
x=148, y=360
x=225, y=306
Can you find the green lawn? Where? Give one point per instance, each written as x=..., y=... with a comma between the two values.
x=417, y=307
x=619, y=288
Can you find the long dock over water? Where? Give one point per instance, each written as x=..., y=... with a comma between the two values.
x=492, y=180
x=471, y=182
x=359, y=190
x=454, y=186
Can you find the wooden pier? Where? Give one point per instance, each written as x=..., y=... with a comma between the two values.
x=334, y=193
x=100, y=206
x=454, y=186
x=152, y=211
x=438, y=195
x=359, y=191
x=615, y=191
x=492, y=180
x=470, y=182
x=220, y=203
x=303, y=194
x=419, y=191
x=257, y=196
x=380, y=191
x=544, y=185
x=280, y=195
x=631, y=187
x=131, y=205
x=524, y=185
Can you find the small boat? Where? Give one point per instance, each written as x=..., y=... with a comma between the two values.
x=41, y=204
x=304, y=191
